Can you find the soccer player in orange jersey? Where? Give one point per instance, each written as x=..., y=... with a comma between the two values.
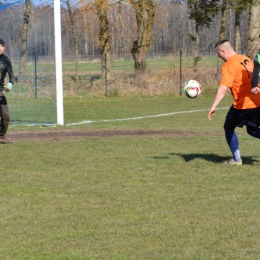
x=245, y=110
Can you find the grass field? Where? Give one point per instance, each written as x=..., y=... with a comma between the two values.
x=153, y=63
x=160, y=196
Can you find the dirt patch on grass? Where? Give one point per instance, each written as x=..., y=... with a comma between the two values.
x=61, y=135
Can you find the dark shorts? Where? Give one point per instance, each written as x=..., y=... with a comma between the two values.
x=240, y=117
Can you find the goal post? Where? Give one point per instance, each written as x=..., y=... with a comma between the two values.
x=58, y=62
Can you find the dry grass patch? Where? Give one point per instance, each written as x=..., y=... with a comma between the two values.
x=162, y=82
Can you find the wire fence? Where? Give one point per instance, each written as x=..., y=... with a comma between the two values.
x=165, y=75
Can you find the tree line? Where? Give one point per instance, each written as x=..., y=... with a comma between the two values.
x=138, y=28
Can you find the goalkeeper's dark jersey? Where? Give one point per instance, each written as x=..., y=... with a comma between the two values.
x=5, y=67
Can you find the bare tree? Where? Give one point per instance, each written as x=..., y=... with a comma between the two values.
x=238, y=6
x=74, y=37
x=170, y=27
x=223, y=10
x=101, y=7
x=201, y=12
x=253, y=30
x=222, y=31
x=25, y=30
x=145, y=11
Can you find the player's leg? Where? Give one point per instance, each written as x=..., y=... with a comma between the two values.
x=233, y=143
x=253, y=123
x=232, y=120
x=253, y=131
x=4, y=123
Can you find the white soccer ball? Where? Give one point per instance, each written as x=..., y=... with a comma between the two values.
x=192, y=88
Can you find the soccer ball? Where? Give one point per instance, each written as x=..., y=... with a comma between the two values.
x=192, y=88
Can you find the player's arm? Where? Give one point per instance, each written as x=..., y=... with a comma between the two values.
x=9, y=68
x=255, y=78
x=222, y=90
x=10, y=71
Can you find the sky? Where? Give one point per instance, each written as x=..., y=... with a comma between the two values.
x=9, y=3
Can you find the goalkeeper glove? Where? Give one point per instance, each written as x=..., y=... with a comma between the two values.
x=8, y=87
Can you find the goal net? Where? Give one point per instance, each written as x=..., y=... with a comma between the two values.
x=32, y=100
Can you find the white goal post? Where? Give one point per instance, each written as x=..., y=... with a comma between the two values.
x=58, y=63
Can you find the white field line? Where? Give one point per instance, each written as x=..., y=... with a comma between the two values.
x=85, y=122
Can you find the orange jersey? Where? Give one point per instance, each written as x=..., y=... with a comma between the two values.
x=237, y=75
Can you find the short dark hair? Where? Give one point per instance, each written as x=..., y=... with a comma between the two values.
x=221, y=42
x=2, y=42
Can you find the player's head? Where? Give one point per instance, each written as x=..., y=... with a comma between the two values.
x=2, y=46
x=224, y=49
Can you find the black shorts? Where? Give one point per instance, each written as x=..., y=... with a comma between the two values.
x=240, y=117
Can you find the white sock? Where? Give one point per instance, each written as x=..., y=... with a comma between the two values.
x=237, y=156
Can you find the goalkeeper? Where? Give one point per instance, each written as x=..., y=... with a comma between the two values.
x=5, y=67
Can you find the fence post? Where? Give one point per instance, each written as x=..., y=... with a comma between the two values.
x=105, y=75
x=35, y=77
x=180, y=72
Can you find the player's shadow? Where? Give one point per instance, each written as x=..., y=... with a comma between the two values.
x=211, y=157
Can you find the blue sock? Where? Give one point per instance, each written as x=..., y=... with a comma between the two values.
x=233, y=143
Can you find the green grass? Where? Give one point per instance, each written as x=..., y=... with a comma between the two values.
x=132, y=197
x=127, y=64
x=153, y=64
